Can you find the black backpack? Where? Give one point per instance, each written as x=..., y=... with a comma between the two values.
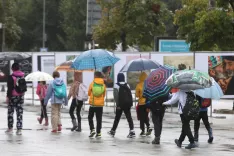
x=125, y=96
x=192, y=107
x=20, y=85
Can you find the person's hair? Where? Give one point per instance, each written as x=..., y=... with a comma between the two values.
x=105, y=69
x=15, y=66
x=56, y=74
x=43, y=82
x=181, y=66
x=98, y=74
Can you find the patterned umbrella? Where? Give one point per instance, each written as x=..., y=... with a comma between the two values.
x=66, y=66
x=189, y=80
x=155, y=84
x=140, y=64
x=94, y=59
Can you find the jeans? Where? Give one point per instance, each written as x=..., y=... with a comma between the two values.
x=76, y=105
x=15, y=102
x=157, y=117
x=43, y=110
x=55, y=115
x=118, y=115
x=143, y=115
x=98, y=111
x=186, y=131
x=202, y=115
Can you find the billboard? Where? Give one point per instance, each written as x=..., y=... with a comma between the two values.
x=173, y=46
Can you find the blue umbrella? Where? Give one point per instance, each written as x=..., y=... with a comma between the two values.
x=94, y=59
x=214, y=92
x=140, y=64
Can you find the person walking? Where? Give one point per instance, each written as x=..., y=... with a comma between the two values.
x=41, y=92
x=57, y=92
x=181, y=97
x=158, y=110
x=96, y=92
x=124, y=102
x=203, y=115
x=142, y=109
x=16, y=87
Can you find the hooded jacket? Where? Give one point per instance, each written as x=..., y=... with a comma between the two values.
x=41, y=91
x=50, y=93
x=11, y=83
x=96, y=101
x=140, y=90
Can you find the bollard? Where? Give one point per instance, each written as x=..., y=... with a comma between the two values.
x=3, y=88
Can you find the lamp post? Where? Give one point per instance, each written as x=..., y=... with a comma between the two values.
x=43, y=22
x=3, y=34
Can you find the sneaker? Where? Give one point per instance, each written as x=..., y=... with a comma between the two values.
x=19, y=132
x=54, y=131
x=142, y=134
x=131, y=134
x=178, y=143
x=59, y=128
x=156, y=140
x=92, y=133
x=98, y=135
x=111, y=133
x=210, y=140
x=39, y=120
x=190, y=146
x=9, y=131
x=149, y=131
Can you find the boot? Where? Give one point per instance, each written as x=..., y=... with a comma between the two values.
x=156, y=140
x=79, y=127
x=210, y=140
x=74, y=123
x=59, y=128
x=196, y=136
x=46, y=122
x=39, y=120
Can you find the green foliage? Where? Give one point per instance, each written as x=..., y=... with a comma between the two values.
x=206, y=28
x=130, y=23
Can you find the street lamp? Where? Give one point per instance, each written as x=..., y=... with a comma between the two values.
x=3, y=33
x=43, y=21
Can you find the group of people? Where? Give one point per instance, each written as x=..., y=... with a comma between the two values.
x=95, y=94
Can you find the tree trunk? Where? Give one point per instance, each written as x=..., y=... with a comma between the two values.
x=212, y=3
x=123, y=40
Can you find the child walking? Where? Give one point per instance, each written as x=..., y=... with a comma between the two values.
x=41, y=92
x=97, y=92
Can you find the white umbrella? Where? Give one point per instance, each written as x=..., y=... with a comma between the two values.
x=38, y=76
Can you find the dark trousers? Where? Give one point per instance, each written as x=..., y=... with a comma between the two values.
x=143, y=116
x=76, y=104
x=186, y=131
x=43, y=110
x=15, y=102
x=157, y=118
x=118, y=115
x=98, y=112
x=202, y=115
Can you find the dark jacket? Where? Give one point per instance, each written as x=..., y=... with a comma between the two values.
x=157, y=105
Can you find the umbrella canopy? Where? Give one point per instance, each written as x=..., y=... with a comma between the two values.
x=155, y=86
x=66, y=66
x=94, y=59
x=7, y=56
x=189, y=80
x=140, y=64
x=214, y=92
x=38, y=76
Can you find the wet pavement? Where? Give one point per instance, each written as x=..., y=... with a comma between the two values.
x=37, y=141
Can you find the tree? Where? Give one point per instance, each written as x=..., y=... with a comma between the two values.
x=12, y=30
x=207, y=26
x=73, y=23
x=130, y=22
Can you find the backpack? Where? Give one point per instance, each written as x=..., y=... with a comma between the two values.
x=125, y=96
x=60, y=91
x=98, y=89
x=192, y=107
x=82, y=94
x=20, y=84
x=205, y=103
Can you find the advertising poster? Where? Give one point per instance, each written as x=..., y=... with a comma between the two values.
x=175, y=61
x=221, y=68
x=70, y=75
x=26, y=65
x=46, y=64
x=4, y=70
x=133, y=77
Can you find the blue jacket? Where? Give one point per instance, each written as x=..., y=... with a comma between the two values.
x=50, y=93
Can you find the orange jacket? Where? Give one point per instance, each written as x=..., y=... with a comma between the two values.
x=97, y=101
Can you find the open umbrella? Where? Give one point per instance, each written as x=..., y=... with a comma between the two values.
x=155, y=86
x=189, y=80
x=66, y=66
x=140, y=64
x=214, y=92
x=94, y=59
x=38, y=76
x=7, y=56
